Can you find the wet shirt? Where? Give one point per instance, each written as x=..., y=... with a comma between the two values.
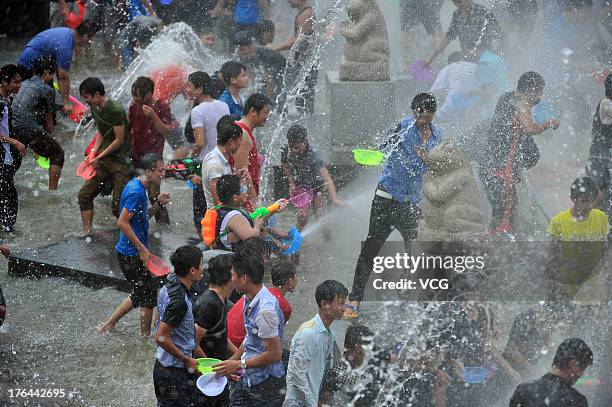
x=112, y=115
x=247, y=12
x=134, y=200
x=475, y=30
x=57, y=43
x=305, y=168
x=210, y=313
x=311, y=353
x=594, y=228
x=174, y=303
x=268, y=64
x=403, y=171
x=145, y=137
x=4, y=131
x=32, y=103
x=528, y=336
x=206, y=115
x=214, y=165
x=235, y=106
x=549, y=390
x=235, y=324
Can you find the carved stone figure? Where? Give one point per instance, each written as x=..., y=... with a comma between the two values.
x=452, y=202
x=366, y=52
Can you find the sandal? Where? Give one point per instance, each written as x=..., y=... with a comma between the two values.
x=351, y=311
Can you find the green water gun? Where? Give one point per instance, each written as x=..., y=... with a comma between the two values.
x=267, y=211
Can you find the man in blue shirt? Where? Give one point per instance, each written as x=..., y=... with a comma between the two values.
x=174, y=374
x=58, y=44
x=132, y=248
x=236, y=78
x=398, y=194
x=312, y=347
x=262, y=383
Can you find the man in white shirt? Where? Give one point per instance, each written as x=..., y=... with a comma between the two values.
x=460, y=82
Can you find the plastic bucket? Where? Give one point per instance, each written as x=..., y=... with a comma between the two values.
x=157, y=266
x=302, y=196
x=211, y=384
x=368, y=157
x=86, y=171
x=475, y=374
x=295, y=241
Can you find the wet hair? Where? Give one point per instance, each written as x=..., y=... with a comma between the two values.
x=577, y=4
x=90, y=86
x=256, y=101
x=143, y=85
x=220, y=270
x=357, y=335
x=227, y=130
x=530, y=82
x=328, y=290
x=248, y=266
x=456, y=56
x=85, y=29
x=227, y=186
x=608, y=86
x=584, y=188
x=200, y=79
x=231, y=70
x=573, y=349
x=8, y=72
x=184, y=258
x=149, y=161
x=265, y=26
x=281, y=271
x=424, y=102
x=255, y=247
x=44, y=64
x=243, y=38
x=297, y=133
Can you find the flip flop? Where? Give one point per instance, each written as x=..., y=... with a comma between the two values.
x=350, y=311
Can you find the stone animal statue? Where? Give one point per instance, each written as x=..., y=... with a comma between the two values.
x=366, y=52
x=452, y=203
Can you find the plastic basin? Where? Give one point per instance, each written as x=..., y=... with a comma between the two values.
x=543, y=112
x=157, y=266
x=368, y=157
x=43, y=162
x=295, y=241
x=211, y=384
x=86, y=171
x=475, y=374
x=205, y=365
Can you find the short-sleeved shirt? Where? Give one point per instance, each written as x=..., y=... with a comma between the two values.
x=548, y=390
x=4, y=131
x=134, y=199
x=211, y=314
x=32, y=103
x=175, y=307
x=235, y=320
x=206, y=115
x=57, y=43
x=247, y=12
x=112, y=115
x=476, y=30
x=214, y=165
x=235, y=106
x=305, y=168
x=594, y=228
x=145, y=137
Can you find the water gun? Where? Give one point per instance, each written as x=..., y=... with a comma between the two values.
x=267, y=211
x=183, y=169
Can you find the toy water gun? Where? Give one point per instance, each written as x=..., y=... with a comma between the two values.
x=266, y=211
x=183, y=169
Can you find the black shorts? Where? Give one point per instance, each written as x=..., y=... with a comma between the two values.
x=426, y=12
x=42, y=143
x=144, y=285
x=176, y=138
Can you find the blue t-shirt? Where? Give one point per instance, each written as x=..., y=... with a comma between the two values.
x=57, y=43
x=234, y=108
x=247, y=12
x=134, y=199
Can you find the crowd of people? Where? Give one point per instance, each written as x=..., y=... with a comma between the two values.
x=226, y=312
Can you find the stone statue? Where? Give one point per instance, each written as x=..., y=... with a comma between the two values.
x=452, y=203
x=366, y=52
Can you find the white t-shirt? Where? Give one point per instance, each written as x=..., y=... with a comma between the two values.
x=460, y=80
x=206, y=115
x=214, y=166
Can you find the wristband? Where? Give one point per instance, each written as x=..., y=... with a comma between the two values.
x=243, y=364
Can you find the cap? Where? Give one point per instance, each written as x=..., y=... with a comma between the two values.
x=243, y=38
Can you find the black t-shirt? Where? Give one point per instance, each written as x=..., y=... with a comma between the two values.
x=476, y=31
x=305, y=168
x=211, y=314
x=548, y=390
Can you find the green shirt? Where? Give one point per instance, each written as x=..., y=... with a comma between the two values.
x=112, y=115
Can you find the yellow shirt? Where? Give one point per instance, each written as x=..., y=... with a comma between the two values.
x=593, y=228
x=581, y=247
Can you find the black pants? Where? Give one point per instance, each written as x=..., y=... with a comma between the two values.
x=174, y=387
x=144, y=285
x=9, y=203
x=199, y=208
x=42, y=143
x=497, y=196
x=385, y=215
